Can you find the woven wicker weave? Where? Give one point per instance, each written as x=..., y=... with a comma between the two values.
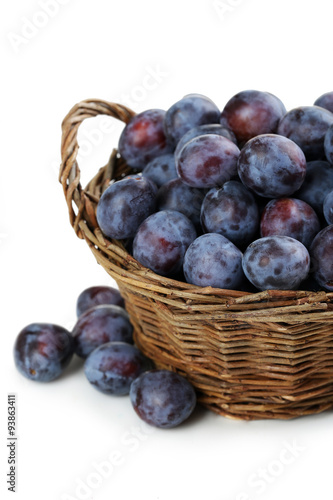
x=249, y=355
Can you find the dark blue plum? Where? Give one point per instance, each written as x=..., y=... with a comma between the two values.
x=321, y=252
x=252, y=112
x=276, y=263
x=96, y=296
x=317, y=184
x=290, y=217
x=143, y=138
x=161, y=170
x=176, y=195
x=328, y=208
x=162, y=398
x=162, y=240
x=328, y=144
x=211, y=128
x=231, y=211
x=212, y=260
x=190, y=111
x=99, y=325
x=42, y=351
x=325, y=101
x=307, y=126
x=272, y=166
x=207, y=161
x=124, y=205
x=112, y=367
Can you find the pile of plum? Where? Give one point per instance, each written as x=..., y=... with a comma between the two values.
x=237, y=199
x=103, y=337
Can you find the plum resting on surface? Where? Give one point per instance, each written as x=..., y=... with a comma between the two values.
x=99, y=325
x=162, y=398
x=112, y=367
x=42, y=351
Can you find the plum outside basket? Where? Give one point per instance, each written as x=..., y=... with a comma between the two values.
x=265, y=355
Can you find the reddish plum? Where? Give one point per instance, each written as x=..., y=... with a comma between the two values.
x=143, y=138
x=252, y=112
x=290, y=217
x=207, y=161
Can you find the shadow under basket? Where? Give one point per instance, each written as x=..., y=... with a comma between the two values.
x=248, y=355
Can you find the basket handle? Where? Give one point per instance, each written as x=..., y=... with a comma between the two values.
x=69, y=174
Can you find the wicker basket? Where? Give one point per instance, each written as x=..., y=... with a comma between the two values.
x=249, y=355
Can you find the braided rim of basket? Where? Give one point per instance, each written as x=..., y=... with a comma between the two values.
x=282, y=305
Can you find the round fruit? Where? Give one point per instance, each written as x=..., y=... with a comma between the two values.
x=162, y=240
x=162, y=398
x=307, y=126
x=125, y=205
x=188, y=112
x=325, y=101
x=112, y=367
x=210, y=128
x=290, y=217
x=176, y=195
x=252, y=112
x=161, y=169
x=272, y=166
x=99, y=325
x=231, y=211
x=143, y=138
x=207, y=161
x=317, y=184
x=212, y=260
x=96, y=296
x=276, y=263
x=42, y=351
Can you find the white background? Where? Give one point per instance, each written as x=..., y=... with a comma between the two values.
x=106, y=49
